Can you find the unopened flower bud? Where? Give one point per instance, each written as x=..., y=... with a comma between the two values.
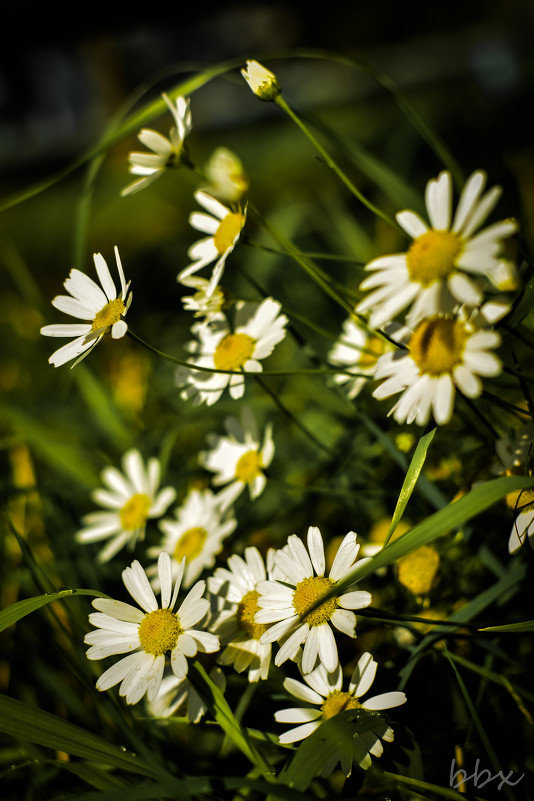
x=261, y=80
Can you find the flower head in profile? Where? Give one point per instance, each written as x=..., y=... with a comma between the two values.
x=324, y=691
x=236, y=590
x=196, y=534
x=204, y=302
x=285, y=603
x=100, y=306
x=515, y=453
x=224, y=226
x=130, y=499
x=441, y=354
x=166, y=153
x=239, y=458
x=262, y=81
x=226, y=176
x=258, y=329
x=149, y=633
x=437, y=272
x=356, y=351
x=178, y=695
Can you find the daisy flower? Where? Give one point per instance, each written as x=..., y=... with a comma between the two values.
x=258, y=328
x=224, y=227
x=176, y=694
x=285, y=603
x=357, y=352
x=324, y=691
x=196, y=534
x=262, y=81
x=101, y=307
x=165, y=152
x=146, y=636
x=442, y=353
x=237, y=586
x=436, y=272
x=515, y=451
x=239, y=458
x=204, y=303
x=226, y=175
x=130, y=498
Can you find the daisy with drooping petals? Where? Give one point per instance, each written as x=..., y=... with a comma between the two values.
x=175, y=694
x=196, y=534
x=239, y=633
x=224, y=227
x=443, y=353
x=204, y=303
x=258, y=328
x=131, y=498
x=165, y=152
x=146, y=636
x=357, y=352
x=435, y=273
x=285, y=603
x=324, y=690
x=239, y=458
x=101, y=307
x=515, y=453
x=226, y=175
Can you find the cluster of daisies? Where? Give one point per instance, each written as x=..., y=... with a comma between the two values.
x=446, y=341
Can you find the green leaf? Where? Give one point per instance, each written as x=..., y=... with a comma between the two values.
x=22, y=608
x=525, y=625
x=410, y=481
x=417, y=784
x=25, y=722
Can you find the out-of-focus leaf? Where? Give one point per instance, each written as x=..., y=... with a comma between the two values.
x=22, y=608
x=526, y=625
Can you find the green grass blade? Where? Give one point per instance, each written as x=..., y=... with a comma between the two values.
x=22, y=608
x=417, y=784
x=525, y=625
x=25, y=722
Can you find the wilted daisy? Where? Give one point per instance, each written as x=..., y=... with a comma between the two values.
x=130, y=498
x=224, y=227
x=204, y=303
x=196, y=534
x=436, y=272
x=239, y=458
x=240, y=634
x=262, y=81
x=226, y=175
x=285, y=603
x=165, y=152
x=443, y=353
x=357, y=352
x=102, y=307
x=258, y=328
x=324, y=690
x=146, y=636
x=177, y=694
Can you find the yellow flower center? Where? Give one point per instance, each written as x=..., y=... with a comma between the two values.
x=110, y=314
x=431, y=256
x=134, y=513
x=520, y=500
x=307, y=592
x=338, y=702
x=233, y=351
x=371, y=351
x=246, y=609
x=159, y=631
x=437, y=345
x=228, y=231
x=190, y=543
x=248, y=467
x=416, y=571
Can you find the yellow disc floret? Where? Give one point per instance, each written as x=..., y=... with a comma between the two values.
x=233, y=351
x=372, y=350
x=246, y=610
x=437, y=345
x=307, y=592
x=159, y=631
x=135, y=511
x=417, y=570
x=248, y=466
x=190, y=543
x=228, y=231
x=431, y=256
x=109, y=315
x=338, y=702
